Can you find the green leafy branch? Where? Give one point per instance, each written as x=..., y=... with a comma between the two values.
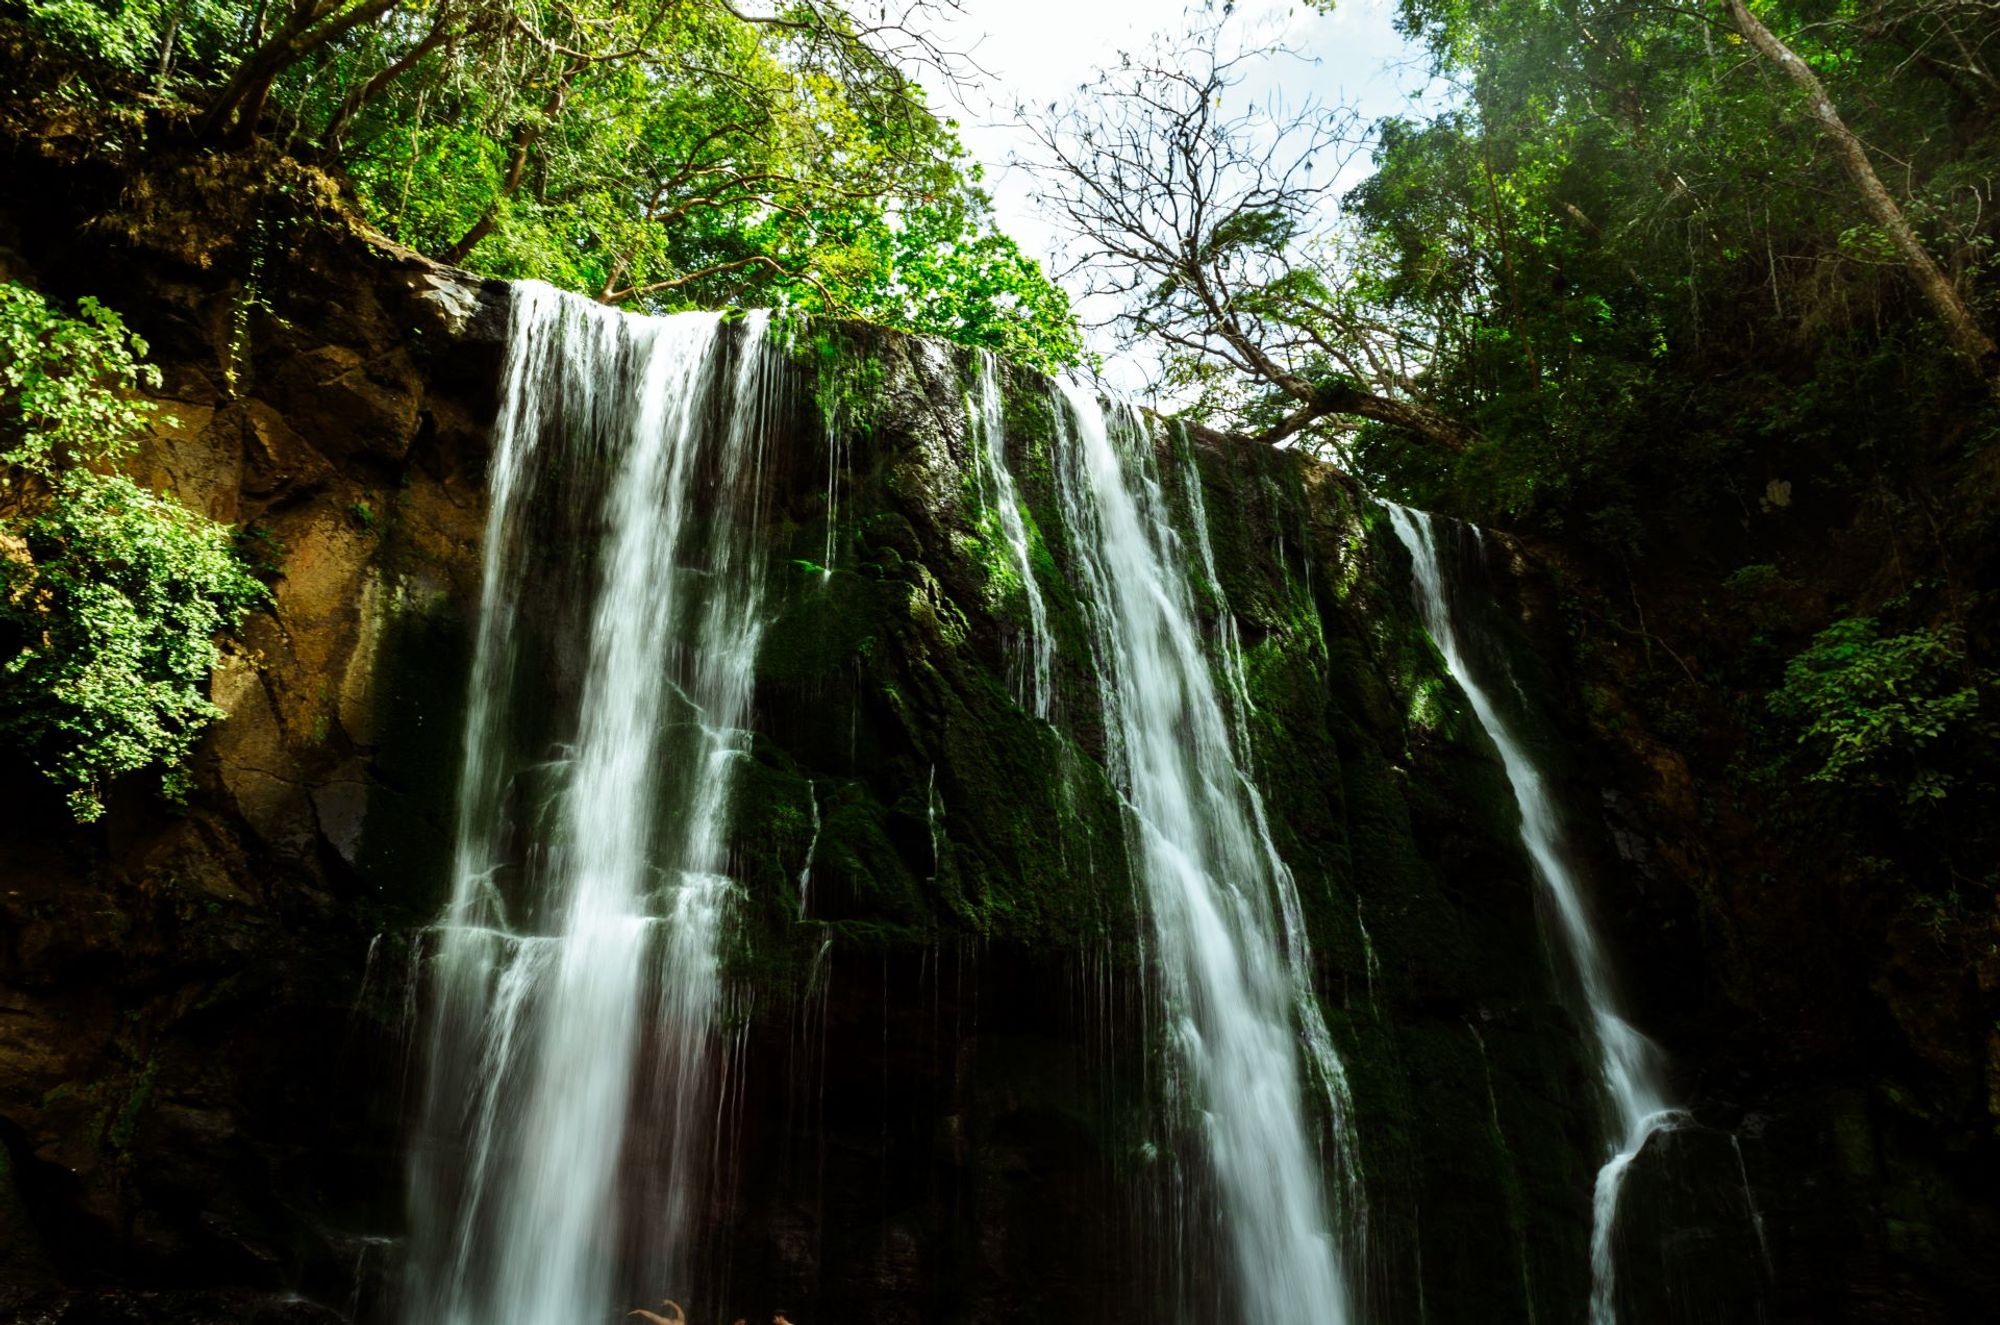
x=111, y=596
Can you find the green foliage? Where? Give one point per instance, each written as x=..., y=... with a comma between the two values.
x=1875, y=711
x=847, y=386
x=120, y=35
x=1645, y=271
x=1752, y=580
x=950, y=274
x=116, y=617
x=662, y=155
x=261, y=551
x=111, y=596
x=62, y=381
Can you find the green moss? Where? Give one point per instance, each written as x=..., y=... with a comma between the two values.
x=132, y=1109
x=824, y=622
x=847, y=381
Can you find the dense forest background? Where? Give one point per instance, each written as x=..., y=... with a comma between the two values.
x=1695, y=299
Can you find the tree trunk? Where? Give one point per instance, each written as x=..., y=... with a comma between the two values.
x=242, y=96
x=352, y=104
x=1964, y=330
x=517, y=165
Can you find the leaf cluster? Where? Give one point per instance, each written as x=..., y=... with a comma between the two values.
x=67, y=384
x=1641, y=264
x=111, y=596
x=1881, y=712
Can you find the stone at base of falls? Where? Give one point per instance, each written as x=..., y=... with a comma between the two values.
x=170, y=1307
x=1687, y=1241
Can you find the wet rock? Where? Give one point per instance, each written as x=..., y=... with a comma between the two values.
x=1691, y=1242
x=187, y=1094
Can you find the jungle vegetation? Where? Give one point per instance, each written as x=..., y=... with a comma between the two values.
x=665, y=155
x=111, y=595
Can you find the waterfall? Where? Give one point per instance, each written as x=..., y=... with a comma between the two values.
x=1242, y=1026
x=1630, y=1067
x=570, y=1073
x=1005, y=521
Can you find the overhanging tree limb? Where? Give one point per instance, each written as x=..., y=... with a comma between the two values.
x=441, y=31
x=1352, y=401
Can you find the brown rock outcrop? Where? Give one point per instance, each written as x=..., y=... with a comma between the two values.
x=187, y=1088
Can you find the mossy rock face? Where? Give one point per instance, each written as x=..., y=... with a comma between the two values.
x=943, y=1039
x=903, y=802
x=890, y=681
x=404, y=850
x=946, y=1049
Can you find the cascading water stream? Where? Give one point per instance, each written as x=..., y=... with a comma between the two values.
x=1227, y=942
x=573, y=1056
x=1002, y=503
x=1630, y=1067
x=555, y=1176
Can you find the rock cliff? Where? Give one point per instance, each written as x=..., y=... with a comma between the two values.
x=942, y=1103
x=942, y=1106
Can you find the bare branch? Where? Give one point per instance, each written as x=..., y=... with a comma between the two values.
x=1210, y=218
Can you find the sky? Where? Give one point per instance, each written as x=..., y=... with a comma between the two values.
x=1038, y=51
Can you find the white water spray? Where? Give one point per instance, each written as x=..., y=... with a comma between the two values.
x=555, y=1177
x=1630, y=1067
x=1228, y=940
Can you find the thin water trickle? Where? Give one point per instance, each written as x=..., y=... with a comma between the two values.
x=931, y=817
x=1750, y=1205
x=1631, y=1069
x=1228, y=945
x=1002, y=502
x=366, y=990
x=1506, y=1157
x=812, y=849
x=1369, y=962
x=568, y=965
x=834, y=427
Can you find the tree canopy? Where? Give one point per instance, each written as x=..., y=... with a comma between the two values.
x=668, y=154
x=1620, y=216
x=1653, y=213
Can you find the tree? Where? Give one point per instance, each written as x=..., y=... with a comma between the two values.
x=1210, y=221
x=656, y=155
x=1963, y=328
x=949, y=273
x=1644, y=274
x=309, y=25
